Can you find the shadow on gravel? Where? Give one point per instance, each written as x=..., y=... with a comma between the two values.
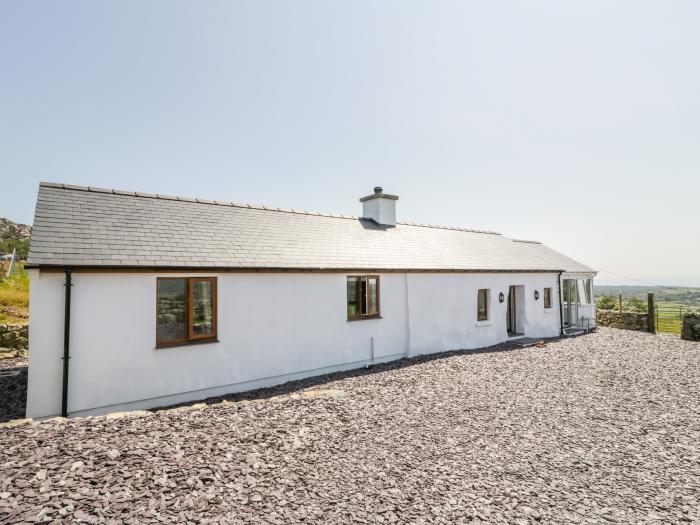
x=311, y=382
x=13, y=388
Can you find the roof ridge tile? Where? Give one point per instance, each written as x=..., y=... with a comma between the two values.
x=526, y=241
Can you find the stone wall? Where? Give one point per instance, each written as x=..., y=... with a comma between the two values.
x=13, y=339
x=691, y=326
x=625, y=320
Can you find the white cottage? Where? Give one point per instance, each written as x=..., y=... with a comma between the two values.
x=141, y=300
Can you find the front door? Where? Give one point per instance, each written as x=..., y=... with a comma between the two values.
x=569, y=302
x=511, y=318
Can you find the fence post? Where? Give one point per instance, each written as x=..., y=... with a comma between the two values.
x=619, y=297
x=651, y=313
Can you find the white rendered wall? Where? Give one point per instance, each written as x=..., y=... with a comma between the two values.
x=46, y=307
x=442, y=309
x=272, y=328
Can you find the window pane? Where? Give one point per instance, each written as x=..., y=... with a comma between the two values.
x=482, y=307
x=352, y=297
x=363, y=295
x=372, y=303
x=172, y=310
x=589, y=299
x=547, y=297
x=582, y=299
x=202, y=308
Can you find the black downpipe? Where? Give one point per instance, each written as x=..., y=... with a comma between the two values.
x=66, y=345
x=561, y=306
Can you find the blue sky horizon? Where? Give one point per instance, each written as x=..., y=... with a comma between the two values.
x=576, y=124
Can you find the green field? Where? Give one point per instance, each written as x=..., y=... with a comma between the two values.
x=687, y=296
x=669, y=317
x=672, y=302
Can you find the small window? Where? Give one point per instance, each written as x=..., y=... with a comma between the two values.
x=482, y=308
x=186, y=310
x=547, y=297
x=363, y=297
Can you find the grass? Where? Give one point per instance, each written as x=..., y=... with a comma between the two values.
x=669, y=316
x=14, y=298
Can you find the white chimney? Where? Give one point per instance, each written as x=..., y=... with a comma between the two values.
x=380, y=207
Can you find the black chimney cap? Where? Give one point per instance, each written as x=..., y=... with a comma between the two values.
x=379, y=194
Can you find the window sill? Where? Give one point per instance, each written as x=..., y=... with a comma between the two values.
x=549, y=310
x=484, y=323
x=365, y=318
x=186, y=343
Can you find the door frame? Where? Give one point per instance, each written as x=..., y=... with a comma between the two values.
x=512, y=311
x=569, y=302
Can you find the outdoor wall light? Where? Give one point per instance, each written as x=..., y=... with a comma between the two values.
x=537, y=295
x=501, y=297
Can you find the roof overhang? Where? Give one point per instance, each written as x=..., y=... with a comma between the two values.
x=203, y=269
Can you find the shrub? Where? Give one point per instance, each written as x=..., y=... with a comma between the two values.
x=606, y=302
x=9, y=244
x=635, y=304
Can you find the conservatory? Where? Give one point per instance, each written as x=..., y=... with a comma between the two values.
x=577, y=305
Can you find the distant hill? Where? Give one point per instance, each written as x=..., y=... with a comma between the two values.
x=665, y=294
x=14, y=235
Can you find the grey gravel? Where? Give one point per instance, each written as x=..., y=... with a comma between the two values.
x=13, y=388
x=603, y=428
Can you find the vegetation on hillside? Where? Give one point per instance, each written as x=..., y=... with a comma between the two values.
x=7, y=245
x=630, y=304
x=663, y=294
x=14, y=298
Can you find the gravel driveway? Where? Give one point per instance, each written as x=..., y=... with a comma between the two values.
x=13, y=388
x=603, y=428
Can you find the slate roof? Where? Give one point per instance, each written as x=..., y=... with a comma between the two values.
x=91, y=227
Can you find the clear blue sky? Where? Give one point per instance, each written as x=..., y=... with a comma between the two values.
x=574, y=123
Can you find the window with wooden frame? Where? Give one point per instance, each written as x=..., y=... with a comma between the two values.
x=482, y=305
x=363, y=297
x=186, y=310
x=547, y=297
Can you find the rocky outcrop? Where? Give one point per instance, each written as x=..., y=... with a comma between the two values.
x=14, y=339
x=9, y=229
x=14, y=236
x=691, y=326
x=625, y=320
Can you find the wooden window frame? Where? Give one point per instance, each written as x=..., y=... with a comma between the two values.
x=189, y=338
x=361, y=317
x=485, y=317
x=547, y=298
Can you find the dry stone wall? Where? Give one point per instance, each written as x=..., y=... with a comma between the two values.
x=14, y=339
x=624, y=320
x=691, y=327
